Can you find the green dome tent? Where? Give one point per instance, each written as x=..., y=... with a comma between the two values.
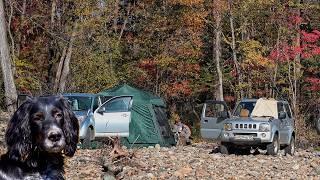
x=149, y=123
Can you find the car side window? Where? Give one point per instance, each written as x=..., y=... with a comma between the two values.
x=288, y=110
x=95, y=103
x=118, y=105
x=213, y=109
x=280, y=107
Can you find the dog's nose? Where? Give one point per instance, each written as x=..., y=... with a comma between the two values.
x=54, y=136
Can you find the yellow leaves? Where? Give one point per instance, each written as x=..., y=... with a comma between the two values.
x=23, y=64
x=24, y=76
x=165, y=61
x=253, y=53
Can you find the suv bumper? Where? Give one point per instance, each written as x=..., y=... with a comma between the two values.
x=246, y=138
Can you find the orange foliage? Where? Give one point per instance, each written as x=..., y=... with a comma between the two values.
x=194, y=20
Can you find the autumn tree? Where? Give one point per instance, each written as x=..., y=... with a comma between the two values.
x=10, y=88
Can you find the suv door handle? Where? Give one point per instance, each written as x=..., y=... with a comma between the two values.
x=124, y=115
x=205, y=121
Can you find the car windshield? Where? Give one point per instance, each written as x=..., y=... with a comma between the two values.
x=79, y=103
x=244, y=109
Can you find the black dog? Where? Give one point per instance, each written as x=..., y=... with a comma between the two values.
x=40, y=133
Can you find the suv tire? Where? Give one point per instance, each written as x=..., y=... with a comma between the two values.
x=290, y=149
x=86, y=143
x=226, y=149
x=273, y=148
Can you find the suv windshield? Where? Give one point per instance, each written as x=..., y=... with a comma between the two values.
x=79, y=103
x=244, y=109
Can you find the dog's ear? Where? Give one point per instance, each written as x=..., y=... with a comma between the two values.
x=70, y=128
x=18, y=133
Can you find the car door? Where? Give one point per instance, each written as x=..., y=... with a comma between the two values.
x=213, y=116
x=289, y=124
x=112, y=118
x=282, y=124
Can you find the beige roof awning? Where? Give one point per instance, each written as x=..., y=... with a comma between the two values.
x=265, y=107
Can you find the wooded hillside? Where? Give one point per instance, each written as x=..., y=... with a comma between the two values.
x=185, y=51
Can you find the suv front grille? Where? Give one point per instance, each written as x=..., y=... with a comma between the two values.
x=246, y=134
x=245, y=126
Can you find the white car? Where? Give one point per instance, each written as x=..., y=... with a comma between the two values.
x=100, y=116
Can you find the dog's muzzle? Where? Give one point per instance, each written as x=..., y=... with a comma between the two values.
x=54, y=141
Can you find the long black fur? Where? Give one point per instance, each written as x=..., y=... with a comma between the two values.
x=24, y=158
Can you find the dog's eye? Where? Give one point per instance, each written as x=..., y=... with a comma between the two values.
x=59, y=115
x=36, y=119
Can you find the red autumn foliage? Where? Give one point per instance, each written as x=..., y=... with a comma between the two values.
x=312, y=37
x=179, y=88
x=176, y=76
x=309, y=47
x=314, y=83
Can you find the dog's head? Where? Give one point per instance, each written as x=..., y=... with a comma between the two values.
x=46, y=124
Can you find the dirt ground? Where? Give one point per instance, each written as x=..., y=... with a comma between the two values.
x=186, y=162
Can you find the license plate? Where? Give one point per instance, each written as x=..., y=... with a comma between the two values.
x=244, y=137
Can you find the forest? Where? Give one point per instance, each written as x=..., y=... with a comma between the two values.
x=185, y=51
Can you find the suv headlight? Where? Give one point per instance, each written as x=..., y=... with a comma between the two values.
x=227, y=127
x=264, y=127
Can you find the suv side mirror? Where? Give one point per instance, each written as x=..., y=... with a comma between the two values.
x=222, y=114
x=282, y=115
x=101, y=110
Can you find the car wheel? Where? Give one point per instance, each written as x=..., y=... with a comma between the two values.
x=86, y=143
x=273, y=148
x=225, y=149
x=290, y=149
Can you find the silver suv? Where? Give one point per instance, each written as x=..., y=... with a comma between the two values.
x=255, y=123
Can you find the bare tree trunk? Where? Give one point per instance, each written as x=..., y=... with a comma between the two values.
x=249, y=95
x=59, y=70
x=217, y=55
x=10, y=34
x=51, y=49
x=10, y=88
x=299, y=122
x=296, y=68
x=274, y=80
x=116, y=16
x=233, y=47
x=20, y=40
x=64, y=65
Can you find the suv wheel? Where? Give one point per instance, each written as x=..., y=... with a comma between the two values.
x=226, y=149
x=273, y=148
x=290, y=149
x=86, y=143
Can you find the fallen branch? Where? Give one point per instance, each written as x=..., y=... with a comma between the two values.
x=117, y=152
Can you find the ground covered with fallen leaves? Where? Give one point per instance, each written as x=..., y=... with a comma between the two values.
x=193, y=162
x=187, y=162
